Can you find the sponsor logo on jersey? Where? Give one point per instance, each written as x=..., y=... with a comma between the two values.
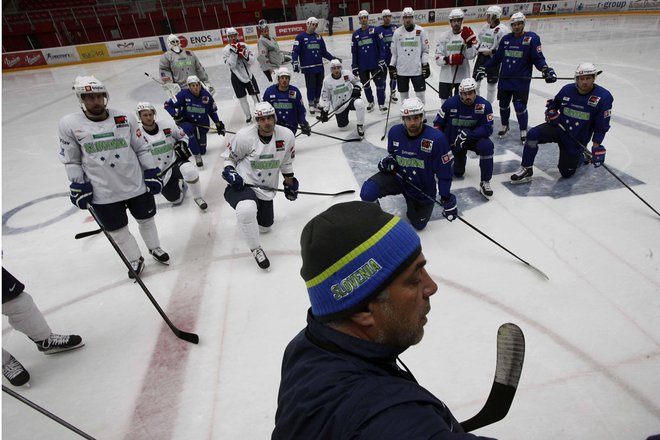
x=490, y=117
x=279, y=145
x=346, y=78
x=167, y=131
x=607, y=113
x=527, y=40
x=480, y=108
x=452, y=110
x=593, y=100
x=205, y=99
x=138, y=132
x=418, y=32
x=395, y=143
x=292, y=94
x=426, y=145
x=103, y=135
x=446, y=158
x=121, y=121
x=539, y=49
x=566, y=98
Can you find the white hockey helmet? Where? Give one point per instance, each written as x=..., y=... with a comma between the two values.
x=193, y=79
x=494, y=11
x=144, y=106
x=517, y=18
x=173, y=42
x=456, y=14
x=363, y=13
x=411, y=107
x=585, y=69
x=467, y=85
x=312, y=20
x=263, y=24
x=282, y=71
x=89, y=84
x=263, y=109
x=408, y=12
x=232, y=31
x=335, y=63
x=386, y=13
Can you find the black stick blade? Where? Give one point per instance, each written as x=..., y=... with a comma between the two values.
x=188, y=337
x=80, y=235
x=510, y=358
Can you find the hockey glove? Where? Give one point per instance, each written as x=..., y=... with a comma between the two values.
x=235, y=47
x=153, y=182
x=291, y=191
x=388, y=164
x=426, y=70
x=454, y=59
x=182, y=151
x=450, y=210
x=356, y=72
x=233, y=178
x=392, y=72
x=357, y=91
x=296, y=66
x=597, y=155
x=178, y=118
x=81, y=194
x=382, y=66
x=243, y=52
x=468, y=36
x=306, y=129
x=323, y=116
x=220, y=126
x=552, y=116
x=480, y=73
x=549, y=75
x=461, y=142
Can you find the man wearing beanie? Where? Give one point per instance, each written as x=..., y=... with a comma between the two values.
x=369, y=290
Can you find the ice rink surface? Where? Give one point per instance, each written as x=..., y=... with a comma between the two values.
x=592, y=368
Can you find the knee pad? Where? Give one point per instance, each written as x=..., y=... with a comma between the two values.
x=520, y=107
x=358, y=103
x=370, y=191
x=246, y=211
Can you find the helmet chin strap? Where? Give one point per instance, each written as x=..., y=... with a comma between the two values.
x=176, y=49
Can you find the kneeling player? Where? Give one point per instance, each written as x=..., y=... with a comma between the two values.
x=418, y=154
x=341, y=92
x=167, y=140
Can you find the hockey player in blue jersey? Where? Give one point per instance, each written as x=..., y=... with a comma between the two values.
x=517, y=53
x=368, y=52
x=307, y=57
x=191, y=109
x=580, y=112
x=420, y=154
x=287, y=101
x=467, y=121
x=386, y=30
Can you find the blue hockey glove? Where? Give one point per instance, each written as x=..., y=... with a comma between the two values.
x=291, y=191
x=81, y=194
x=182, y=151
x=388, y=164
x=382, y=66
x=357, y=91
x=306, y=129
x=597, y=155
x=220, y=126
x=233, y=178
x=450, y=210
x=153, y=181
x=296, y=66
x=549, y=75
x=426, y=70
x=392, y=72
x=480, y=73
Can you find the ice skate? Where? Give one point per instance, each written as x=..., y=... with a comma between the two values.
x=485, y=189
x=15, y=372
x=201, y=203
x=138, y=267
x=261, y=258
x=393, y=96
x=523, y=175
x=160, y=255
x=382, y=108
x=198, y=160
x=370, y=107
x=523, y=136
x=504, y=131
x=360, y=130
x=59, y=343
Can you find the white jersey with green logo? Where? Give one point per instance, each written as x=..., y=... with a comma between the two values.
x=489, y=38
x=409, y=50
x=336, y=92
x=449, y=44
x=162, y=145
x=111, y=154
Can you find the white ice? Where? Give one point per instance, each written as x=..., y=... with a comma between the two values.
x=592, y=368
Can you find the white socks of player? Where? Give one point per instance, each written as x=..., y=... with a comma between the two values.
x=127, y=243
x=360, y=111
x=492, y=91
x=191, y=176
x=246, y=109
x=246, y=215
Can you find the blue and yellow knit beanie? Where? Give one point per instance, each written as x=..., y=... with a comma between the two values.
x=350, y=253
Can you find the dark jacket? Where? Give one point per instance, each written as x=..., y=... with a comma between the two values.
x=335, y=386
x=11, y=287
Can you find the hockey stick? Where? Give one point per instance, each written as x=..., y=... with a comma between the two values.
x=268, y=188
x=85, y=234
x=510, y=358
x=387, y=119
x=432, y=88
x=189, y=337
x=588, y=153
x=169, y=92
x=566, y=78
x=47, y=413
x=339, y=139
x=475, y=228
x=453, y=80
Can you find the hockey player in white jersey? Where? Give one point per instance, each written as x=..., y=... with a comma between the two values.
x=452, y=52
x=110, y=166
x=410, y=56
x=176, y=65
x=253, y=161
x=238, y=57
x=341, y=93
x=169, y=142
x=489, y=38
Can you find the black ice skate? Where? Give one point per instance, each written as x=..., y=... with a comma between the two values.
x=59, y=343
x=261, y=258
x=360, y=130
x=138, y=267
x=504, y=131
x=201, y=203
x=523, y=175
x=15, y=372
x=485, y=189
x=160, y=255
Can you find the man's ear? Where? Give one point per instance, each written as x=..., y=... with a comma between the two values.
x=364, y=318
